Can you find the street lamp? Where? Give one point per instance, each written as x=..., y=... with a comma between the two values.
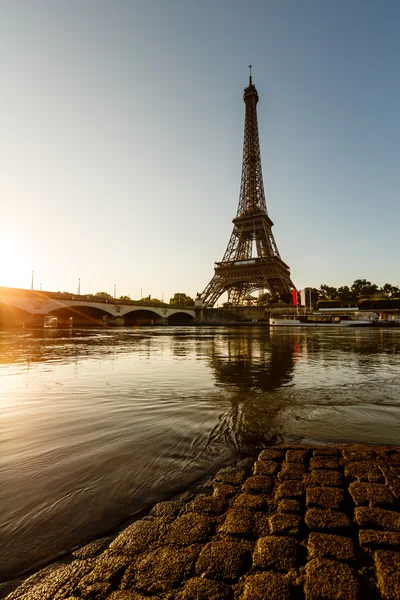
x=79, y=286
x=33, y=272
x=115, y=290
x=141, y=293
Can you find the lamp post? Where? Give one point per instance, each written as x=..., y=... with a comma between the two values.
x=79, y=286
x=33, y=272
x=115, y=290
x=141, y=295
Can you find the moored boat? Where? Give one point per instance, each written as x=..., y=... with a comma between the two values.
x=321, y=320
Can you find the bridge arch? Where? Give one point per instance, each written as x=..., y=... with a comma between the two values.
x=180, y=317
x=80, y=315
x=142, y=317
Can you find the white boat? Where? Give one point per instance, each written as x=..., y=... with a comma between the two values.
x=321, y=320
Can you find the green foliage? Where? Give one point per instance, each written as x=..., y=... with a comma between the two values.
x=344, y=293
x=390, y=291
x=327, y=292
x=181, y=299
x=361, y=288
x=264, y=299
x=124, y=298
x=145, y=300
x=103, y=295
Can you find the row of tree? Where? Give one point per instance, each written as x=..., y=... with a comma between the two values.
x=360, y=288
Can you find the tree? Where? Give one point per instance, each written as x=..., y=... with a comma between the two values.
x=363, y=288
x=124, y=298
x=145, y=300
x=264, y=299
x=327, y=292
x=390, y=291
x=103, y=295
x=181, y=299
x=344, y=293
x=284, y=297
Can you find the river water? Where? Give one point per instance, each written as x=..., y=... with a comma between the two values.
x=97, y=425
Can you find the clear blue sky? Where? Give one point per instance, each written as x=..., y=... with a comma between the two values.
x=122, y=130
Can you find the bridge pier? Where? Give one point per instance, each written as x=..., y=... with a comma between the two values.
x=116, y=321
x=64, y=322
x=32, y=321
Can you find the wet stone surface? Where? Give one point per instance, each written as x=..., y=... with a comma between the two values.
x=294, y=522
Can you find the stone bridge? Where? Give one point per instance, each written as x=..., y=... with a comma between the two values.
x=31, y=308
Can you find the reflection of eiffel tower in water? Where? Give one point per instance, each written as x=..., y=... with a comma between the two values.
x=250, y=361
x=257, y=372
x=240, y=273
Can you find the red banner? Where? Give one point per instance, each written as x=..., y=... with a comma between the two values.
x=294, y=297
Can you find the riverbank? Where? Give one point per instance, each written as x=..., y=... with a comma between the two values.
x=295, y=522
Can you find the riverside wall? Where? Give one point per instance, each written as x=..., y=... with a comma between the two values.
x=237, y=314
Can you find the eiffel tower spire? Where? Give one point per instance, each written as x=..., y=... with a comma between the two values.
x=251, y=261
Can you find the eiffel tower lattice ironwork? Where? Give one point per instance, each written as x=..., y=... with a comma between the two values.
x=240, y=272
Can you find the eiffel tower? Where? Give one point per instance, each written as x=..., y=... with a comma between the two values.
x=251, y=261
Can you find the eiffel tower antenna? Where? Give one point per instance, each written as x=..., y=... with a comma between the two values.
x=240, y=272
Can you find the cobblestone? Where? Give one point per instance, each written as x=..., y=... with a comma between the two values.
x=388, y=573
x=290, y=505
x=277, y=553
x=285, y=523
x=321, y=520
x=325, y=478
x=289, y=489
x=266, y=467
x=266, y=585
x=330, y=580
x=364, y=471
x=377, y=517
x=324, y=463
x=379, y=539
x=223, y=560
x=292, y=470
x=325, y=545
x=372, y=494
x=322, y=497
x=258, y=484
x=239, y=521
x=295, y=522
x=250, y=501
x=208, y=505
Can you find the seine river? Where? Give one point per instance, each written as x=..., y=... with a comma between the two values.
x=97, y=425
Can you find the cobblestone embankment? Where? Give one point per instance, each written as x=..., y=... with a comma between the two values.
x=298, y=522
